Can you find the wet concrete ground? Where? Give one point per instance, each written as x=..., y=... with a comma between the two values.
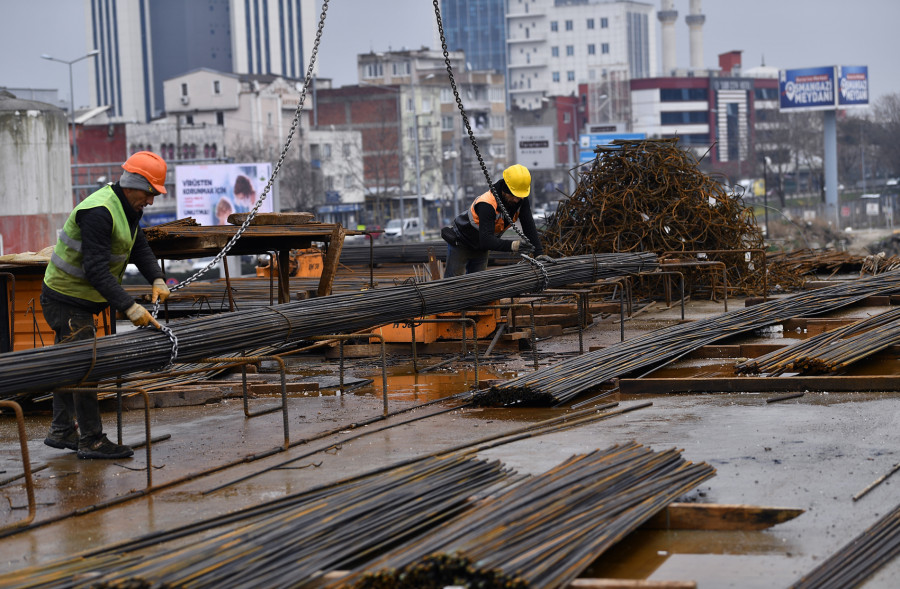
x=814, y=453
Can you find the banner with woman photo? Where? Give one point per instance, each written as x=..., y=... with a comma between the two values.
x=210, y=193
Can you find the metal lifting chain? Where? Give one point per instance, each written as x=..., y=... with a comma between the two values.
x=462, y=111
x=284, y=151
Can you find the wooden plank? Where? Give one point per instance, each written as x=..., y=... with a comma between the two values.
x=275, y=389
x=718, y=516
x=329, y=269
x=744, y=384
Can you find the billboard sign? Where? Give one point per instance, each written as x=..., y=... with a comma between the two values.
x=853, y=85
x=209, y=193
x=807, y=89
x=588, y=141
x=534, y=147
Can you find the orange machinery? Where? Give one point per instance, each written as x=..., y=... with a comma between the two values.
x=305, y=263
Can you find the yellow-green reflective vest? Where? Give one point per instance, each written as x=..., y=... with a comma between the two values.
x=65, y=272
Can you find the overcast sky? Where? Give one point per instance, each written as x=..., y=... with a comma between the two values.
x=788, y=33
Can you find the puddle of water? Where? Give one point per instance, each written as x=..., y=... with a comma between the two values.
x=405, y=385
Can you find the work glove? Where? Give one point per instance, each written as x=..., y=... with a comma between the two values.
x=545, y=259
x=140, y=316
x=520, y=246
x=160, y=291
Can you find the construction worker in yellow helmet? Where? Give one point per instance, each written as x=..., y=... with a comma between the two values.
x=476, y=232
x=84, y=277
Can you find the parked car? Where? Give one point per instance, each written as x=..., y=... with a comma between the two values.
x=400, y=229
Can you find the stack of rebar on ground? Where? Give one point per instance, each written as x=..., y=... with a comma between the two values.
x=408, y=253
x=791, y=269
x=859, y=559
x=548, y=529
x=650, y=195
x=287, y=324
x=831, y=351
x=564, y=381
x=288, y=541
x=539, y=531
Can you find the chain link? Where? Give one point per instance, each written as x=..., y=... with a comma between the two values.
x=465, y=117
x=295, y=123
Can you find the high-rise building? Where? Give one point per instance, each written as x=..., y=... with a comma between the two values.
x=555, y=45
x=477, y=28
x=143, y=42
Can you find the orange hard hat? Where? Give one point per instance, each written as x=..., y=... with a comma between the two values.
x=150, y=166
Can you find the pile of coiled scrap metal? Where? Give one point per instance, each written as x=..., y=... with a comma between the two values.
x=651, y=196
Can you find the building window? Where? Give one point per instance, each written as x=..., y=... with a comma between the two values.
x=411, y=133
x=604, y=23
x=554, y=51
x=590, y=23
x=447, y=95
x=189, y=119
x=269, y=119
x=212, y=150
x=374, y=70
x=570, y=50
x=426, y=105
x=400, y=69
x=410, y=104
x=569, y=25
x=554, y=26
x=326, y=151
x=217, y=88
x=765, y=93
x=570, y=75
x=592, y=49
x=426, y=133
x=447, y=123
x=220, y=118
x=498, y=122
x=682, y=94
x=348, y=181
x=184, y=89
x=329, y=182
x=604, y=48
x=497, y=95
x=556, y=76
x=567, y=117
x=691, y=117
x=498, y=150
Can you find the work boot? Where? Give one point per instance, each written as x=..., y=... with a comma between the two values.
x=103, y=448
x=63, y=441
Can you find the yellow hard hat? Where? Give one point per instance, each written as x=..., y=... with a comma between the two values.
x=518, y=179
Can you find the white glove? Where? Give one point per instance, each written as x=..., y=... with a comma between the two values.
x=160, y=291
x=140, y=316
x=514, y=246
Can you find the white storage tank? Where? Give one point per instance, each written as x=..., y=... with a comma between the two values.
x=35, y=165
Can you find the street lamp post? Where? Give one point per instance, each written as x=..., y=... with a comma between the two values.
x=72, y=96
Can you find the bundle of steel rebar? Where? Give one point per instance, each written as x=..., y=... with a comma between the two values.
x=294, y=540
x=287, y=324
x=565, y=380
x=650, y=195
x=859, y=559
x=549, y=528
x=831, y=351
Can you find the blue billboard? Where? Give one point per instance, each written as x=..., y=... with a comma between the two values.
x=588, y=141
x=807, y=89
x=853, y=85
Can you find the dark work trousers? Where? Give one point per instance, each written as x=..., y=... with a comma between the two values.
x=463, y=260
x=73, y=324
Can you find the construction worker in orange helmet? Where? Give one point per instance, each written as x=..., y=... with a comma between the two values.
x=84, y=277
x=474, y=233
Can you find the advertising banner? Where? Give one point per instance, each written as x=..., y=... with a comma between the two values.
x=853, y=85
x=534, y=147
x=588, y=141
x=209, y=193
x=807, y=89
